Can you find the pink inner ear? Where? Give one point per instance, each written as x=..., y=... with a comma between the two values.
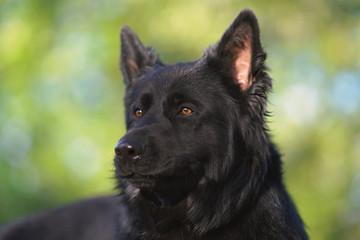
x=133, y=68
x=243, y=66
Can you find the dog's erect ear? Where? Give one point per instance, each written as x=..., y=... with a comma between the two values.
x=135, y=57
x=239, y=49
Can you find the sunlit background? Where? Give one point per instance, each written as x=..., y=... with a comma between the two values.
x=61, y=96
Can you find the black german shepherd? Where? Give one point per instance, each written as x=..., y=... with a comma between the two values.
x=196, y=161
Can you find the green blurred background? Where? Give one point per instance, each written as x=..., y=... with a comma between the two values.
x=61, y=96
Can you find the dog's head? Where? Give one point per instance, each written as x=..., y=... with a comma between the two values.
x=191, y=124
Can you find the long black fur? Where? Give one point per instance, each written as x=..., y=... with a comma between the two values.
x=214, y=174
x=209, y=175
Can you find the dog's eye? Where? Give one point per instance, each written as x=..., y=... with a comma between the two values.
x=138, y=112
x=186, y=111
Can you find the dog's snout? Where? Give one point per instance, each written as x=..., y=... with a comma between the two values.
x=129, y=150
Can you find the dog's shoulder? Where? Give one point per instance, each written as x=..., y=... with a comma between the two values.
x=94, y=218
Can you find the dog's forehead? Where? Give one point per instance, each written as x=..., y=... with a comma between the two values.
x=178, y=77
x=172, y=74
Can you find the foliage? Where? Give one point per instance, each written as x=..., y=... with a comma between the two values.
x=61, y=95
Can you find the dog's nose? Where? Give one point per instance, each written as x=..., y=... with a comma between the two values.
x=129, y=150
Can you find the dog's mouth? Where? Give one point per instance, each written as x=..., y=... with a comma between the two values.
x=141, y=181
x=167, y=184
x=162, y=190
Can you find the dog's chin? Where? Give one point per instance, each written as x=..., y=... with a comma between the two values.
x=160, y=190
x=144, y=182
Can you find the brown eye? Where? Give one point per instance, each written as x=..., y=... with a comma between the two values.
x=138, y=113
x=186, y=111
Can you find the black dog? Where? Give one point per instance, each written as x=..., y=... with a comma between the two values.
x=196, y=161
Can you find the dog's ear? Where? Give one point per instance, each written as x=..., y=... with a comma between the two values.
x=239, y=51
x=135, y=57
